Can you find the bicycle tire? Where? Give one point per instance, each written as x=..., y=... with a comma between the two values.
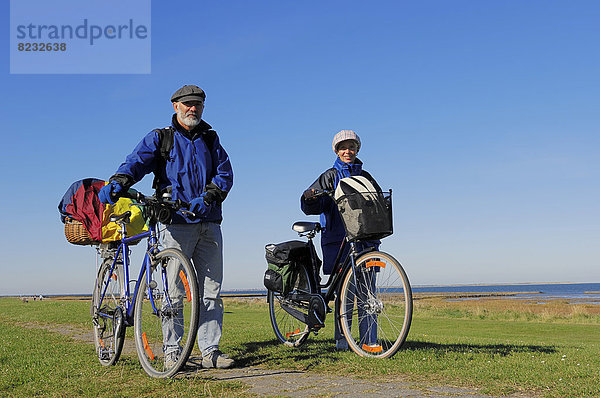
x=381, y=298
x=289, y=330
x=174, y=277
x=107, y=316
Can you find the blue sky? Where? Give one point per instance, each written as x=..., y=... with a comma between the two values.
x=481, y=116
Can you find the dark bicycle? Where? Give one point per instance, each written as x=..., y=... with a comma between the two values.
x=370, y=289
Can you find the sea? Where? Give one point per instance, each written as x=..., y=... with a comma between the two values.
x=573, y=292
x=541, y=292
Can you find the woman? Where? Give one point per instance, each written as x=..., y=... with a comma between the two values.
x=346, y=145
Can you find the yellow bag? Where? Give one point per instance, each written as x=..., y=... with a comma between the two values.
x=111, y=231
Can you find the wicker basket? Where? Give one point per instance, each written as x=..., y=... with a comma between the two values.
x=76, y=233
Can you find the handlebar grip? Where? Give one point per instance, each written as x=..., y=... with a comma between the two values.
x=315, y=193
x=138, y=196
x=180, y=204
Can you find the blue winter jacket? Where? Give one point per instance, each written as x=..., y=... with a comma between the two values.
x=194, y=166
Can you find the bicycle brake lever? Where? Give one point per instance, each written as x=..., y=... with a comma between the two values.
x=189, y=213
x=322, y=192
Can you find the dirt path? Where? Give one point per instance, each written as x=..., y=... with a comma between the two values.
x=293, y=383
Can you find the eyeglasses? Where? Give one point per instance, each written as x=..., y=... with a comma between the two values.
x=189, y=104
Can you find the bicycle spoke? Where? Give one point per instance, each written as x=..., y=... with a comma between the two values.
x=166, y=314
x=107, y=339
x=289, y=330
x=376, y=305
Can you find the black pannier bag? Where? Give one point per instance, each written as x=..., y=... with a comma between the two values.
x=282, y=260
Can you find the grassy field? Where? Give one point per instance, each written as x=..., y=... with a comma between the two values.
x=500, y=345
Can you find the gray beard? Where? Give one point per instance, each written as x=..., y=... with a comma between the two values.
x=190, y=121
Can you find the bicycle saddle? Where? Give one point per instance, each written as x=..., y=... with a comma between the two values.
x=118, y=217
x=306, y=226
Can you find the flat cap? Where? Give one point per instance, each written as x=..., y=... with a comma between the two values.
x=188, y=92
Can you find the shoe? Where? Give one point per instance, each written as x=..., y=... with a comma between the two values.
x=217, y=359
x=341, y=345
x=171, y=359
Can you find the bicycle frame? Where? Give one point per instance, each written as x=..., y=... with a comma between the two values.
x=123, y=249
x=339, y=270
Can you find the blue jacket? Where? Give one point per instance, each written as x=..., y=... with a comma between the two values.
x=194, y=166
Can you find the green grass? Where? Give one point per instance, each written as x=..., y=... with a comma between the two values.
x=551, y=351
x=36, y=362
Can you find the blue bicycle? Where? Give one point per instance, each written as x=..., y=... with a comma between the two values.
x=164, y=305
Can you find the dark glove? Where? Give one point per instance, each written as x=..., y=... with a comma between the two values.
x=198, y=205
x=309, y=194
x=110, y=192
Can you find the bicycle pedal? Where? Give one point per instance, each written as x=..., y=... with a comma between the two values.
x=315, y=328
x=104, y=354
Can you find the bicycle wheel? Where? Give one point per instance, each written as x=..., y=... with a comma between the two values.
x=289, y=330
x=107, y=315
x=166, y=326
x=378, y=301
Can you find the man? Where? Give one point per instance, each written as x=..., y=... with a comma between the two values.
x=197, y=170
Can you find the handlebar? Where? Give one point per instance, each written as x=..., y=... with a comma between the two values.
x=323, y=192
x=317, y=193
x=154, y=201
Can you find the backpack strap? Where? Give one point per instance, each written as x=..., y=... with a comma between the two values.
x=165, y=144
x=209, y=137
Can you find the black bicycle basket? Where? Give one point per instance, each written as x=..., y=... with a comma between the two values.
x=366, y=215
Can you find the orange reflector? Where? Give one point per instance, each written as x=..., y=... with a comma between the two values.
x=188, y=293
x=293, y=333
x=101, y=343
x=372, y=348
x=375, y=263
x=114, y=276
x=147, y=347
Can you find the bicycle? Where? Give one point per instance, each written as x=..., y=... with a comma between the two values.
x=165, y=297
x=369, y=287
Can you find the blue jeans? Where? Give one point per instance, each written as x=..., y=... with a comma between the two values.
x=362, y=288
x=203, y=244
x=367, y=326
